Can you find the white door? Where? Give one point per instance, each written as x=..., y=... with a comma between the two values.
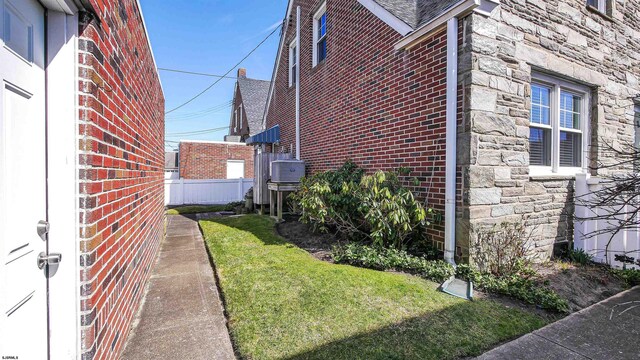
x=23, y=286
x=235, y=169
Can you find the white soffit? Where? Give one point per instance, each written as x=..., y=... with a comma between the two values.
x=388, y=18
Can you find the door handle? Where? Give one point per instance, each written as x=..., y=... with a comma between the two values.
x=51, y=259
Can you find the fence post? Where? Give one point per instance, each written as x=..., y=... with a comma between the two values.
x=240, y=194
x=579, y=227
x=181, y=191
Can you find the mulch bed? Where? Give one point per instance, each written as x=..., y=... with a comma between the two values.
x=582, y=286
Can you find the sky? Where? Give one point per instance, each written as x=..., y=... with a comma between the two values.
x=209, y=36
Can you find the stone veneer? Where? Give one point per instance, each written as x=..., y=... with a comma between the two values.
x=560, y=37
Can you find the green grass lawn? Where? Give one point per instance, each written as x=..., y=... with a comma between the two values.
x=284, y=304
x=194, y=209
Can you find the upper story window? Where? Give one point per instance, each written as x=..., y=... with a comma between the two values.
x=600, y=5
x=320, y=35
x=240, y=117
x=293, y=63
x=235, y=120
x=558, y=126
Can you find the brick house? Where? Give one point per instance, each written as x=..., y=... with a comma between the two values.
x=215, y=160
x=81, y=175
x=495, y=105
x=247, y=111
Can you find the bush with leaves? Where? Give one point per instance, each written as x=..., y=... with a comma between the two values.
x=392, y=259
x=372, y=207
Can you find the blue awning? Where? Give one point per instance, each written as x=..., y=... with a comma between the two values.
x=268, y=136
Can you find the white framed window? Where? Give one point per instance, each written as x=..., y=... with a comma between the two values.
x=293, y=63
x=600, y=5
x=558, y=130
x=320, y=35
x=235, y=169
x=240, y=117
x=235, y=120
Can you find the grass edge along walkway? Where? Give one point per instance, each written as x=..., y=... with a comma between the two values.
x=284, y=304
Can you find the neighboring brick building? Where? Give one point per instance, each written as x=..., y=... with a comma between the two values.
x=373, y=88
x=97, y=126
x=215, y=160
x=247, y=111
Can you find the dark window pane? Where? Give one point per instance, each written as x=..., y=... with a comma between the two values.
x=322, y=49
x=540, y=147
x=570, y=149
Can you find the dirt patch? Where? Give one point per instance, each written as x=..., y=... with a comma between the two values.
x=581, y=285
x=319, y=245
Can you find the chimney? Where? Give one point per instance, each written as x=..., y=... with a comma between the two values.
x=242, y=73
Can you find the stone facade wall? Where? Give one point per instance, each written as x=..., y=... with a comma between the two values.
x=207, y=160
x=563, y=38
x=121, y=172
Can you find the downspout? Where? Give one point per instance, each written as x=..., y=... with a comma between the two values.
x=451, y=135
x=298, y=83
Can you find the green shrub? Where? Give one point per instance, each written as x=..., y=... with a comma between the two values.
x=392, y=259
x=523, y=284
x=579, y=256
x=631, y=277
x=374, y=207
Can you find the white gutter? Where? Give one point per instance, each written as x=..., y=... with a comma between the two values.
x=451, y=138
x=298, y=83
x=458, y=10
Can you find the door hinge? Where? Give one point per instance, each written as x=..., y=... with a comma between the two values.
x=51, y=259
x=43, y=229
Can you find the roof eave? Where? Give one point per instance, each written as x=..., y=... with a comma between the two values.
x=460, y=9
x=387, y=17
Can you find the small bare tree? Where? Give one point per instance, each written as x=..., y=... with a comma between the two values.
x=617, y=201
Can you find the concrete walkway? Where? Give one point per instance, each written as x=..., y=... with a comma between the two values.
x=607, y=330
x=182, y=315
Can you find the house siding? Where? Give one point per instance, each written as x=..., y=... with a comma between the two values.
x=563, y=38
x=121, y=163
x=200, y=160
x=234, y=130
x=366, y=102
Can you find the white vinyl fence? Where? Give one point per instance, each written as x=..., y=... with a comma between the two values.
x=626, y=242
x=203, y=192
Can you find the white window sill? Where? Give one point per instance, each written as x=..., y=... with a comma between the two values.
x=544, y=173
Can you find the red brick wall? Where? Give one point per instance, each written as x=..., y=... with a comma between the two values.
x=121, y=172
x=379, y=107
x=201, y=160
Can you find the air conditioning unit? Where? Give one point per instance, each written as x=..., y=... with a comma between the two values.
x=286, y=171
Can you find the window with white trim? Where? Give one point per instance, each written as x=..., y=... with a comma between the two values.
x=293, y=63
x=320, y=35
x=558, y=126
x=240, y=117
x=600, y=5
x=235, y=120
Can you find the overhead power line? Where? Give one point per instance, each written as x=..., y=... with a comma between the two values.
x=225, y=74
x=196, y=73
x=197, y=132
x=212, y=110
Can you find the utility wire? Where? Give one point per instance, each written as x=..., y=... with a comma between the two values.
x=196, y=73
x=196, y=132
x=198, y=114
x=225, y=74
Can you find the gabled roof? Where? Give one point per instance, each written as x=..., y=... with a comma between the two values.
x=416, y=13
x=254, y=97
